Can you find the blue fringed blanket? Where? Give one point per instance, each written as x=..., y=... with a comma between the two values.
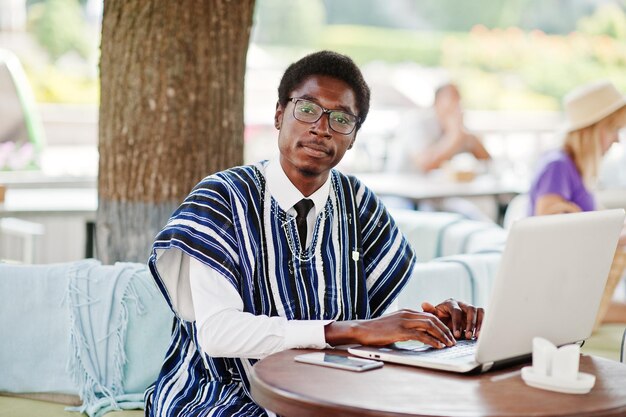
x=82, y=328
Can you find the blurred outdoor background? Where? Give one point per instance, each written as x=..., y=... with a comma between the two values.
x=512, y=59
x=510, y=56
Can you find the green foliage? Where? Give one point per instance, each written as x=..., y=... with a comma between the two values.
x=608, y=19
x=297, y=23
x=542, y=65
x=497, y=68
x=51, y=85
x=454, y=15
x=553, y=16
x=499, y=91
x=365, y=44
x=59, y=27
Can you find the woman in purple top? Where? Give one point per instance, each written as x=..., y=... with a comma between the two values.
x=559, y=184
x=594, y=115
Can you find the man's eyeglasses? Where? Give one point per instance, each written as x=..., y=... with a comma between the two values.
x=310, y=112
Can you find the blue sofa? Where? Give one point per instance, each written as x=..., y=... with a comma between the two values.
x=93, y=337
x=82, y=335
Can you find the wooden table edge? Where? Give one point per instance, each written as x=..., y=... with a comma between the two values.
x=264, y=395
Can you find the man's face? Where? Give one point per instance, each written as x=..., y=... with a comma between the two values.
x=312, y=149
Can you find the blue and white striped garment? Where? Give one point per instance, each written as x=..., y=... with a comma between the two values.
x=231, y=223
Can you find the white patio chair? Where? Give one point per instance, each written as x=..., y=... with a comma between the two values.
x=18, y=240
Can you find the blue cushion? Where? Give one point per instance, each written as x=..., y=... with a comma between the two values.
x=99, y=331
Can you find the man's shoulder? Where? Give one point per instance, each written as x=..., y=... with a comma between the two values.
x=345, y=178
x=356, y=186
x=244, y=175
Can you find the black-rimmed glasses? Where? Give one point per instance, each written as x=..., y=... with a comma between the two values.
x=310, y=112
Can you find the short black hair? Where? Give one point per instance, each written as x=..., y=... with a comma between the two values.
x=333, y=65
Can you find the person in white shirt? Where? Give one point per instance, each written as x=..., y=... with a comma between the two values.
x=437, y=136
x=427, y=140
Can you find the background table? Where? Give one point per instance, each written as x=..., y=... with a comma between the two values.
x=418, y=187
x=295, y=389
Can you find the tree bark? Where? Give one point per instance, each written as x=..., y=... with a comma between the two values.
x=171, y=111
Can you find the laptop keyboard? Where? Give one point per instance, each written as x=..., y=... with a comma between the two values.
x=462, y=348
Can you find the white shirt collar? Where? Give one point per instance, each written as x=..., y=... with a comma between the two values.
x=286, y=194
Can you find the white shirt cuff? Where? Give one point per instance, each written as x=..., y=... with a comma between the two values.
x=305, y=334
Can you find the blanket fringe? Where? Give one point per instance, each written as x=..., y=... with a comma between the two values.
x=94, y=388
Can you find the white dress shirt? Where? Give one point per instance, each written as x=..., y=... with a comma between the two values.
x=224, y=330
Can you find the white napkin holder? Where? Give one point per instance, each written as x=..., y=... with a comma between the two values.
x=556, y=369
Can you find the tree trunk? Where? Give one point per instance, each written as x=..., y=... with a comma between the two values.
x=171, y=112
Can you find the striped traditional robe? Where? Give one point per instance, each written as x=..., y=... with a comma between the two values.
x=355, y=266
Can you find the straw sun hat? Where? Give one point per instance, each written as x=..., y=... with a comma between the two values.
x=590, y=103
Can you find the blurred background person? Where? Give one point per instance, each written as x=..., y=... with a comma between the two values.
x=427, y=142
x=437, y=137
x=445, y=133
x=566, y=177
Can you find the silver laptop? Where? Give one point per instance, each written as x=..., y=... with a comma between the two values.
x=549, y=283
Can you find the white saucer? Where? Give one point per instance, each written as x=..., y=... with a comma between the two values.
x=580, y=385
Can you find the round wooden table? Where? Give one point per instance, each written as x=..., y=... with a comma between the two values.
x=294, y=389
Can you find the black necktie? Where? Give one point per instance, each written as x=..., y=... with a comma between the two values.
x=302, y=208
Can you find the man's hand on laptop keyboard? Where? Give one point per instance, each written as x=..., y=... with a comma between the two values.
x=395, y=327
x=463, y=319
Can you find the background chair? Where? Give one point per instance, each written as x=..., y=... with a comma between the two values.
x=517, y=209
x=18, y=240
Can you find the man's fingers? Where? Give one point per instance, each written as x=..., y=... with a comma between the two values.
x=456, y=317
x=429, y=340
x=471, y=315
x=428, y=307
x=473, y=319
x=428, y=323
x=479, y=321
x=438, y=331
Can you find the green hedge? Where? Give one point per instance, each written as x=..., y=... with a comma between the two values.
x=496, y=68
x=365, y=44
